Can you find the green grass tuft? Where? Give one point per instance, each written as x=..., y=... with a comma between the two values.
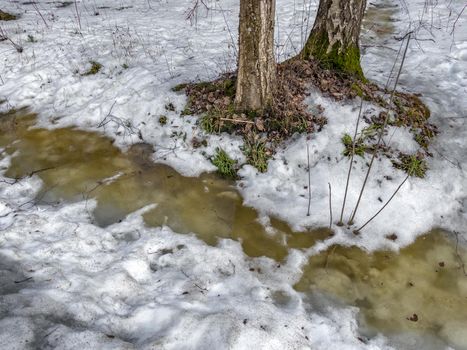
x=225, y=165
x=347, y=141
x=95, y=68
x=209, y=123
x=257, y=154
x=413, y=165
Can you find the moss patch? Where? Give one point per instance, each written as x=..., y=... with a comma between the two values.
x=344, y=59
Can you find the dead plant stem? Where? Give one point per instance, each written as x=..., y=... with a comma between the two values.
x=330, y=205
x=340, y=223
x=309, y=178
x=381, y=132
x=384, y=206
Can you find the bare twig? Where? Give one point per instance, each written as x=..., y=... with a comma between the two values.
x=392, y=68
x=232, y=41
x=37, y=199
x=5, y=36
x=201, y=289
x=128, y=128
x=456, y=164
x=237, y=120
x=384, y=206
x=34, y=4
x=330, y=205
x=340, y=223
x=23, y=280
x=458, y=256
x=18, y=179
x=309, y=178
x=192, y=13
x=457, y=18
x=381, y=132
x=78, y=16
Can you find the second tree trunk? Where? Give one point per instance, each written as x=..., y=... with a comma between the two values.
x=335, y=35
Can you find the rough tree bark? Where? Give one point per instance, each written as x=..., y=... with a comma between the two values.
x=335, y=35
x=256, y=64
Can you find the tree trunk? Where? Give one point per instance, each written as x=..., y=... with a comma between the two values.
x=335, y=35
x=256, y=64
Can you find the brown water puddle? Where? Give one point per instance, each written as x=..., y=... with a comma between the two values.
x=423, y=288
x=76, y=165
x=379, y=19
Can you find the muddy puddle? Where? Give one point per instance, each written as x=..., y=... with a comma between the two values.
x=422, y=290
x=76, y=165
x=379, y=19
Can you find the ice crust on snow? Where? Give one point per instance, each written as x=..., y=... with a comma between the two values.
x=92, y=289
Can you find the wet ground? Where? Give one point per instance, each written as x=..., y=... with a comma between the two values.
x=76, y=165
x=378, y=22
x=422, y=289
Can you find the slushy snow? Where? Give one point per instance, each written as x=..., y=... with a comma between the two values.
x=68, y=284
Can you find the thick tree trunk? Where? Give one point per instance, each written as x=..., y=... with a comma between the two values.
x=256, y=64
x=335, y=35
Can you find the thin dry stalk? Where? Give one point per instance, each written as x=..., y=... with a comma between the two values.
x=340, y=223
x=384, y=206
x=380, y=136
x=330, y=205
x=34, y=4
x=4, y=36
x=458, y=256
x=308, y=17
x=232, y=41
x=309, y=178
x=392, y=68
x=457, y=18
x=78, y=16
x=192, y=13
x=237, y=120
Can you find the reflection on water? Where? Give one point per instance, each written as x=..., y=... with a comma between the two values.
x=76, y=165
x=379, y=19
x=422, y=288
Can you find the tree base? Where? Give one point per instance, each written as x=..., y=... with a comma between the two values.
x=262, y=133
x=344, y=59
